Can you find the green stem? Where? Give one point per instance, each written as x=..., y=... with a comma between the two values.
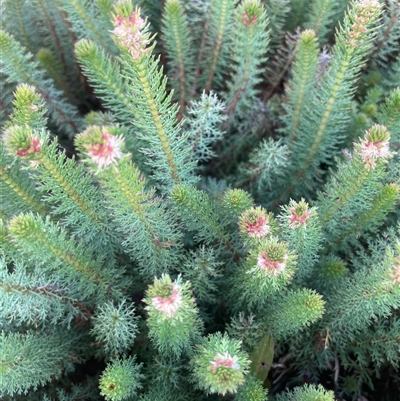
x=324, y=218
x=135, y=202
x=155, y=114
x=325, y=117
x=299, y=106
x=246, y=74
x=89, y=23
x=218, y=44
x=69, y=190
x=22, y=193
x=181, y=69
x=61, y=254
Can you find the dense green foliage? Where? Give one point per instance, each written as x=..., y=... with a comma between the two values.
x=199, y=200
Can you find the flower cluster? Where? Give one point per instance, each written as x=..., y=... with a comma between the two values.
x=34, y=147
x=219, y=365
x=170, y=302
x=371, y=151
x=172, y=315
x=247, y=21
x=250, y=12
x=120, y=380
x=255, y=222
x=225, y=360
x=128, y=32
x=101, y=146
x=299, y=214
x=366, y=11
x=23, y=142
x=270, y=264
x=374, y=146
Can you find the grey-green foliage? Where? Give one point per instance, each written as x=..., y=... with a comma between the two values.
x=388, y=35
x=120, y=380
x=247, y=329
x=300, y=87
x=84, y=390
x=106, y=78
x=304, y=238
x=160, y=393
x=266, y=163
x=6, y=90
x=173, y=322
x=201, y=216
x=389, y=116
x=252, y=33
x=297, y=14
x=150, y=105
x=64, y=259
x=320, y=133
x=203, y=270
x=306, y=307
x=141, y=221
x=355, y=194
x=58, y=47
x=320, y=18
x=82, y=236
x=65, y=186
x=181, y=56
x=92, y=20
x=17, y=18
x=252, y=390
x=204, y=126
x=306, y=393
x=358, y=304
x=20, y=67
x=28, y=110
x=393, y=78
x=115, y=327
x=22, y=353
x=152, y=9
x=372, y=293
x=70, y=192
x=49, y=301
x=378, y=345
x=278, y=14
x=217, y=42
x=16, y=183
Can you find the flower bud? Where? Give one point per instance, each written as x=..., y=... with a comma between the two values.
x=173, y=320
x=120, y=380
x=255, y=222
x=23, y=142
x=375, y=146
x=101, y=145
x=220, y=366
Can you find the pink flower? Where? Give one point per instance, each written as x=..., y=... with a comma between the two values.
x=128, y=32
x=257, y=229
x=34, y=147
x=297, y=219
x=105, y=152
x=270, y=266
x=254, y=223
x=169, y=305
x=371, y=151
x=246, y=19
x=224, y=360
